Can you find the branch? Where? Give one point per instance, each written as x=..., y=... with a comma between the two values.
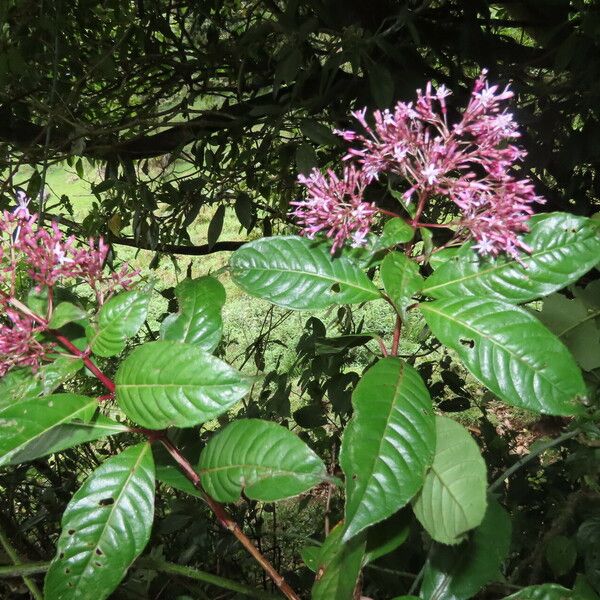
x=147, y=562
x=14, y=557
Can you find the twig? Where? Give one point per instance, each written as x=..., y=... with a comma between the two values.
x=12, y=554
x=218, y=509
x=523, y=461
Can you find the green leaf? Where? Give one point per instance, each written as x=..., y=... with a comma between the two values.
x=401, y=279
x=582, y=590
x=166, y=384
x=173, y=477
x=510, y=352
x=561, y=554
x=306, y=158
x=386, y=536
x=339, y=566
x=388, y=444
x=310, y=556
x=564, y=247
x=244, y=211
x=381, y=84
x=264, y=460
x=298, y=273
x=120, y=318
x=39, y=426
x=319, y=134
x=199, y=319
x=453, y=498
x=105, y=527
x=546, y=591
x=577, y=324
x=65, y=313
x=215, y=227
x=396, y=231
x=20, y=383
x=459, y=572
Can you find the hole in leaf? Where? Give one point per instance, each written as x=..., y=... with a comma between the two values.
x=99, y=552
x=67, y=571
x=468, y=343
x=71, y=531
x=106, y=501
x=98, y=564
x=70, y=584
x=335, y=288
x=61, y=555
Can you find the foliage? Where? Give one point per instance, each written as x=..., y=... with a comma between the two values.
x=450, y=451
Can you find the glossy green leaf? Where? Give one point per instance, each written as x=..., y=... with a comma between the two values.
x=105, y=527
x=319, y=134
x=564, y=247
x=199, y=320
x=546, y=591
x=21, y=383
x=401, y=279
x=64, y=313
x=338, y=567
x=298, y=273
x=39, y=426
x=388, y=444
x=459, y=572
x=165, y=384
x=453, y=498
x=510, y=352
x=396, y=231
x=263, y=459
x=120, y=318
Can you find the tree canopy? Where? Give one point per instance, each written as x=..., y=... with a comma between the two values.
x=248, y=93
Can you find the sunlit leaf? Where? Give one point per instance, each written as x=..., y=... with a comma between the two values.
x=105, y=527
x=510, y=352
x=388, y=445
x=298, y=273
x=264, y=460
x=453, y=498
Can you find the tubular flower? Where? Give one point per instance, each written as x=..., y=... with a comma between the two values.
x=335, y=206
x=48, y=257
x=469, y=162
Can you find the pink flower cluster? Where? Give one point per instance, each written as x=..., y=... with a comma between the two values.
x=469, y=163
x=47, y=257
x=335, y=206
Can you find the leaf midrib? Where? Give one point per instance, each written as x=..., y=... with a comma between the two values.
x=520, y=359
x=506, y=265
x=373, y=290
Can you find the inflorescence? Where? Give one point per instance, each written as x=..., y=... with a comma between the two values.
x=470, y=163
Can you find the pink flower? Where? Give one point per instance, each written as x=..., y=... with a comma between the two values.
x=335, y=206
x=469, y=163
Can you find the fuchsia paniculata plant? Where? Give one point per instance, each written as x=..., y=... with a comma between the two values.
x=31, y=254
x=471, y=163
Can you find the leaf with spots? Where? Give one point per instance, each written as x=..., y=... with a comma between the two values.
x=388, y=445
x=264, y=460
x=39, y=426
x=164, y=384
x=105, y=527
x=453, y=498
x=298, y=273
x=510, y=352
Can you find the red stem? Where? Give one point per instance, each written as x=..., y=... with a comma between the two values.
x=218, y=509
